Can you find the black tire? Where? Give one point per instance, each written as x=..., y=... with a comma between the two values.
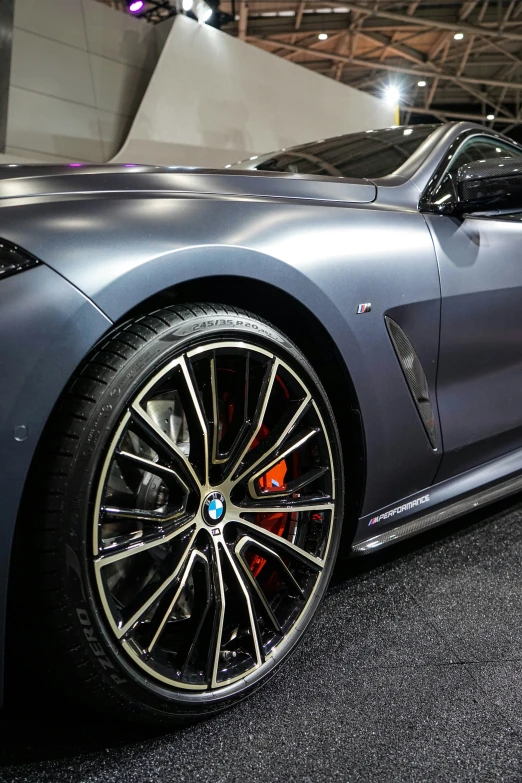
x=85, y=595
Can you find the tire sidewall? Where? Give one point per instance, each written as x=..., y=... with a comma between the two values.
x=126, y=682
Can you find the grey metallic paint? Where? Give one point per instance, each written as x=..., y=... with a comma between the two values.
x=113, y=238
x=128, y=248
x=47, y=326
x=480, y=362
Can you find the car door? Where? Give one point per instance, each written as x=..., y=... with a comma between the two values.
x=479, y=382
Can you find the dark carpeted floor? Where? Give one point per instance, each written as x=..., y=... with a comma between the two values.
x=412, y=672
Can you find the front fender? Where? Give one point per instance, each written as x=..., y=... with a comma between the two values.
x=47, y=327
x=120, y=249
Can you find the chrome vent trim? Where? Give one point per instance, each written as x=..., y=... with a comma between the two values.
x=414, y=376
x=438, y=517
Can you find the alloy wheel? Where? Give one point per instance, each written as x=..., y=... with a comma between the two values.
x=214, y=516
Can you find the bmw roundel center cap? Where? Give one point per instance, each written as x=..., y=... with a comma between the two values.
x=214, y=508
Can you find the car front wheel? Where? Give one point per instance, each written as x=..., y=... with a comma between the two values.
x=193, y=498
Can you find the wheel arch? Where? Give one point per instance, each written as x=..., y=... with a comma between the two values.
x=288, y=315
x=58, y=469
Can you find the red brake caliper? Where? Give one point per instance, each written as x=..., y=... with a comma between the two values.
x=272, y=480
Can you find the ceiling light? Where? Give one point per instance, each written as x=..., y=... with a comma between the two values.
x=392, y=94
x=422, y=83
x=203, y=11
x=187, y=5
x=322, y=36
x=458, y=36
x=490, y=116
x=136, y=6
x=408, y=131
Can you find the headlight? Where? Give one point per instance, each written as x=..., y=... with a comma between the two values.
x=13, y=260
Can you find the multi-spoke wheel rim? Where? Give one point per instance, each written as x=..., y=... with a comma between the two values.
x=214, y=516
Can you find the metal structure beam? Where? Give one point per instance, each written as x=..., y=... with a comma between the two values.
x=376, y=64
x=457, y=27
x=454, y=115
x=243, y=19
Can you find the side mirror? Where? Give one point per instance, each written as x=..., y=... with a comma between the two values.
x=489, y=185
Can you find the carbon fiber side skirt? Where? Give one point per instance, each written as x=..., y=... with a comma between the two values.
x=435, y=517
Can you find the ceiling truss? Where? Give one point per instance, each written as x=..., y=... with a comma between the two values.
x=373, y=43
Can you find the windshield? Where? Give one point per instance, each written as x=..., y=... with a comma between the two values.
x=369, y=154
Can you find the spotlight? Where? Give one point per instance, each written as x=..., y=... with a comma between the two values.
x=392, y=94
x=490, y=116
x=422, y=83
x=203, y=11
x=206, y=12
x=136, y=6
x=458, y=36
x=322, y=36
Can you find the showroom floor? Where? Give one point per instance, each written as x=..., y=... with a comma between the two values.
x=413, y=672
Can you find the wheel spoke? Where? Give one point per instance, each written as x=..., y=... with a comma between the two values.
x=263, y=466
x=215, y=409
x=158, y=592
x=270, y=505
x=240, y=394
x=254, y=630
x=279, y=541
x=261, y=547
x=254, y=584
x=192, y=648
x=195, y=555
x=219, y=616
x=262, y=403
x=151, y=467
x=134, y=547
x=291, y=487
x=261, y=462
x=149, y=428
x=198, y=410
x=135, y=513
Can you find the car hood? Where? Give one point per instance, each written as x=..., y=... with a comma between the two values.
x=21, y=181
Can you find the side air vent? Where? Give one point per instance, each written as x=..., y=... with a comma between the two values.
x=415, y=378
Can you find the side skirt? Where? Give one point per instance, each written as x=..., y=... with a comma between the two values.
x=440, y=503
